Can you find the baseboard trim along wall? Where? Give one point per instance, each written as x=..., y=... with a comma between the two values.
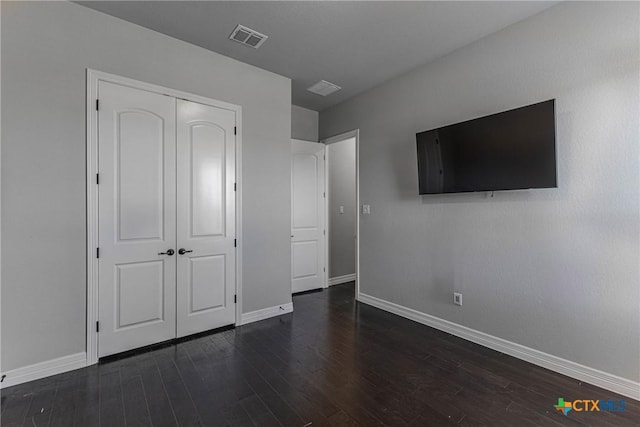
x=44, y=369
x=265, y=313
x=575, y=370
x=79, y=360
x=342, y=279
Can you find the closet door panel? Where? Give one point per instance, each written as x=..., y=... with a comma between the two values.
x=137, y=221
x=205, y=217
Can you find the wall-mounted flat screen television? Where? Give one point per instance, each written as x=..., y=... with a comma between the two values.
x=512, y=150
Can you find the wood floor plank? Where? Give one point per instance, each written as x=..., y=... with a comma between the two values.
x=179, y=397
x=160, y=410
x=87, y=412
x=64, y=405
x=15, y=407
x=259, y=412
x=135, y=402
x=111, y=403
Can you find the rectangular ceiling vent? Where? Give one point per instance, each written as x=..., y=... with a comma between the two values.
x=248, y=37
x=324, y=88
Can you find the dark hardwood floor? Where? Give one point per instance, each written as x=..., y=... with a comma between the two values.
x=331, y=362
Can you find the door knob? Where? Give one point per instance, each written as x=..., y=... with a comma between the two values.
x=183, y=251
x=169, y=252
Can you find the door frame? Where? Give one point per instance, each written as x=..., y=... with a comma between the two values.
x=327, y=141
x=93, y=78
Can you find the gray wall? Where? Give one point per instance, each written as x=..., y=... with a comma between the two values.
x=342, y=191
x=45, y=50
x=304, y=124
x=556, y=270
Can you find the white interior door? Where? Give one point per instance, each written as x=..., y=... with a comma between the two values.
x=137, y=218
x=307, y=216
x=205, y=217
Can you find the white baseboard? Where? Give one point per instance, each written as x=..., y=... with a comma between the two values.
x=265, y=313
x=342, y=279
x=44, y=369
x=79, y=360
x=575, y=370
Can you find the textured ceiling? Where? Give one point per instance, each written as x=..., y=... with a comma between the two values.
x=356, y=45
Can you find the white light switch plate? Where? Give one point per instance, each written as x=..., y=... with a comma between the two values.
x=341, y=209
x=366, y=209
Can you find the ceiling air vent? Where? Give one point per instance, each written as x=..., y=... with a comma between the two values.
x=324, y=88
x=248, y=37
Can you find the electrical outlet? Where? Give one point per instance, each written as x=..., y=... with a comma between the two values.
x=366, y=209
x=457, y=298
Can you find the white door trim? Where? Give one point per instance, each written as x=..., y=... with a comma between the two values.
x=337, y=138
x=93, y=77
x=327, y=260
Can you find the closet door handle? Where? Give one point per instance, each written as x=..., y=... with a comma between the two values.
x=169, y=252
x=183, y=251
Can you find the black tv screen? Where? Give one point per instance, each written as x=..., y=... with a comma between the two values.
x=512, y=150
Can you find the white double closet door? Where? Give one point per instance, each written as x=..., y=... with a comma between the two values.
x=166, y=218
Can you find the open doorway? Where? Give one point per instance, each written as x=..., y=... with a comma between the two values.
x=342, y=208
